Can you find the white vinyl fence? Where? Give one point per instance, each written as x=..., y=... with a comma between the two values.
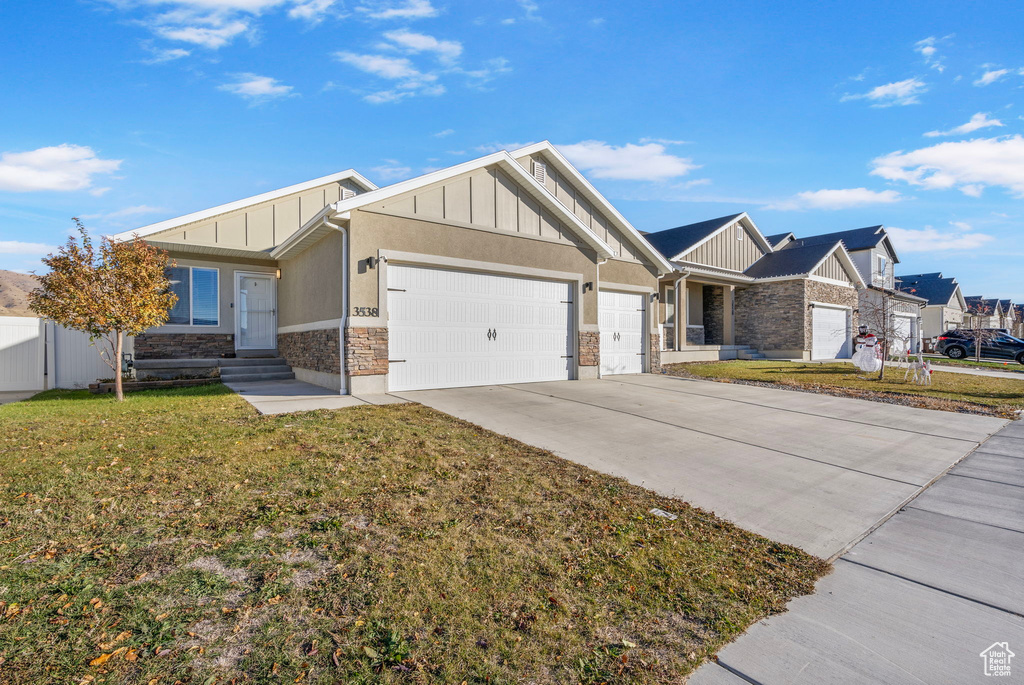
x=36, y=354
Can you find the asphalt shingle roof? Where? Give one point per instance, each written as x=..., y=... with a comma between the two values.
x=854, y=239
x=774, y=240
x=932, y=287
x=674, y=241
x=794, y=259
x=976, y=304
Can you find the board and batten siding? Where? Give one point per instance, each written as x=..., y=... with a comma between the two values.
x=260, y=226
x=833, y=268
x=563, y=189
x=487, y=198
x=726, y=251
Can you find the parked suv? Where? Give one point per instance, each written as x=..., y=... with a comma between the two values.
x=995, y=344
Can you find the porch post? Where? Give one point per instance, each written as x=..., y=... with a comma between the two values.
x=728, y=316
x=679, y=338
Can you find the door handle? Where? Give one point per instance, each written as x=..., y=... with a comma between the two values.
x=489, y=334
x=495, y=333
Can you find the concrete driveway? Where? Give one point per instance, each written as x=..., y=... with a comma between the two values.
x=814, y=471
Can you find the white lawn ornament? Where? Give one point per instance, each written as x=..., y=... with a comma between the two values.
x=866, y=356
x=921, y=369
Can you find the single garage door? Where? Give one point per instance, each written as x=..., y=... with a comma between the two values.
x=450, y=329
x=830, y=333
x=903, y=334
x=621, y=320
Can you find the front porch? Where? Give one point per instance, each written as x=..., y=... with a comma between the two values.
x=706, y=308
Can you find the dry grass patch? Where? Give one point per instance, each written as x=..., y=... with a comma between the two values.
x=948, y=391
x=183, y=538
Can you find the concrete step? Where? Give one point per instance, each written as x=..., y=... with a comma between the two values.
x=251, y=361
x=249, y=377
x=750, y=353
x=227, y=372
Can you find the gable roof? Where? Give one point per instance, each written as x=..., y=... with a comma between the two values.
x=321, y=222
x=857, y=239
x=1005, y=304
x=976, y=304
x=160, y=226
x=676, y=242
x=564, y=167
x=776, y=240
x=799, y=259
x=932, y=287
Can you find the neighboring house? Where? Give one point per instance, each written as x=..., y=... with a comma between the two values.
x=946, y=304
x=735, y=294
x=982, y=312
x=1007, y=314
x=1018, y=330
x=876, y=259
x=508, y=268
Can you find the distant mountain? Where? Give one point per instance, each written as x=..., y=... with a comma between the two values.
x=14, y=290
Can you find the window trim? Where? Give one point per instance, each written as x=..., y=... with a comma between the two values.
x=191, y=299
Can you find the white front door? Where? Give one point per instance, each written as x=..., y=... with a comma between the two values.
x=449, y=329
x=256, y=311
x=830, y=333
x=621, y=320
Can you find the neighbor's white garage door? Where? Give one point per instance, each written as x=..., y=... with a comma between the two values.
x=621, y=319
x=830, y=333
x=449, y=329
x=22, y=353
x=903, y=329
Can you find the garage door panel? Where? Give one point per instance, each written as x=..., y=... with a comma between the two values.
x=439, y=322
x=830, y=333
x=621, y=324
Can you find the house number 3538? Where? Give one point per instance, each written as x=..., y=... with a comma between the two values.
x=365, y=311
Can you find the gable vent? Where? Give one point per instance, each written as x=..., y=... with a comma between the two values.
x=540, y=172
x=347, y=193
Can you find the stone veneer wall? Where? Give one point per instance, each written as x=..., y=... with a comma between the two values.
x=590, y=348
x=655, y=353
x=318, y=350
x=714, y=315
x=772, y=316
x=694, y=335
x=816, y=291
x=184, y=345
x=366, y=351
x=670, y=338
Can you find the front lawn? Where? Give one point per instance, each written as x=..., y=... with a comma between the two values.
x=948, y=391
x=181, y=538
x=1009, y=365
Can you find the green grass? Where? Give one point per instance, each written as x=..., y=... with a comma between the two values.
x=1010, y=364
x=179, y=537
x=949, y=391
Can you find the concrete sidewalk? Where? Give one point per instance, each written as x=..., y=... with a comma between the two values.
x=8, y=396
x=287, y=396
x=916, y=601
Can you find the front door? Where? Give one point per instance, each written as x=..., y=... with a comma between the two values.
x=256, y=321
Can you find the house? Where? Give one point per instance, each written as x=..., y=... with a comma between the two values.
x=946, y=305
x=876, y=259
x=735, y=294
x=982, y=312
x=1007, y=314
x=1018, y=318
x=508, y=268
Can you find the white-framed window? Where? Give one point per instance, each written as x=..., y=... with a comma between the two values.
x=198, y=291
x=670, y=306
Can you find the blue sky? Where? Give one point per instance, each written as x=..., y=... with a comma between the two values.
x=812, y=117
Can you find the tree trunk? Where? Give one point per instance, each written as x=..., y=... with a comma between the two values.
x=118, y=386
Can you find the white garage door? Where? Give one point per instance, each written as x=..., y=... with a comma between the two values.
x=22, y=352
x=621, y=319
x=449, y=329
x=830, y=333
x=902, y=328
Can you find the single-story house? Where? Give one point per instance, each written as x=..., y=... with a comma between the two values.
x=508, y=268
x=946, y=304
x=873, y=253
x=736, y=293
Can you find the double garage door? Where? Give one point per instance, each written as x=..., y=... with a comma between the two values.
x=449, y=329
x=830, y=333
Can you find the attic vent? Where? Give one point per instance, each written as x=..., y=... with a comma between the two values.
x=739, y=232
x=347, y=193
x=540, y=172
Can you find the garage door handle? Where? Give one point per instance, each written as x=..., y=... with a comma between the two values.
x=489, y=337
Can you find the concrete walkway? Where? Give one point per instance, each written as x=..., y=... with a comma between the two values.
x=916, y=601
x=8, y=396
x=991, y=373
x=287, y=396
x=815, y=471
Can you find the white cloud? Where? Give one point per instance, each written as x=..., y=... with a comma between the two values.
x=379, y=65
x=257, y=88
x=408, y=9
x=991, y=76
x=19, y=247
x=904, y=92
x=664, y=141
x=928, y=48
x=391, y=170
x=312, y=11
x=497, y=147
x=968, y=165
x=978, y=121
x=207, y=37
x=929, y=239
x=644, y=162
x=597, y=21
x=446, y=50
x=125, y=212
x=166, y=55
x=842, y=198
x=60, y=167
x=445, y=133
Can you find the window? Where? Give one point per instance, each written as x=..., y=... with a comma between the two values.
x=739, y=232
x=198, y=294
x=670, y=306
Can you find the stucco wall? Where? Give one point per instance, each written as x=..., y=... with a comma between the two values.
x=311, y=288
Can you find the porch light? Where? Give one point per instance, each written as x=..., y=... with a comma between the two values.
x=279, y=274
x=589, y=285
x=371, y=262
